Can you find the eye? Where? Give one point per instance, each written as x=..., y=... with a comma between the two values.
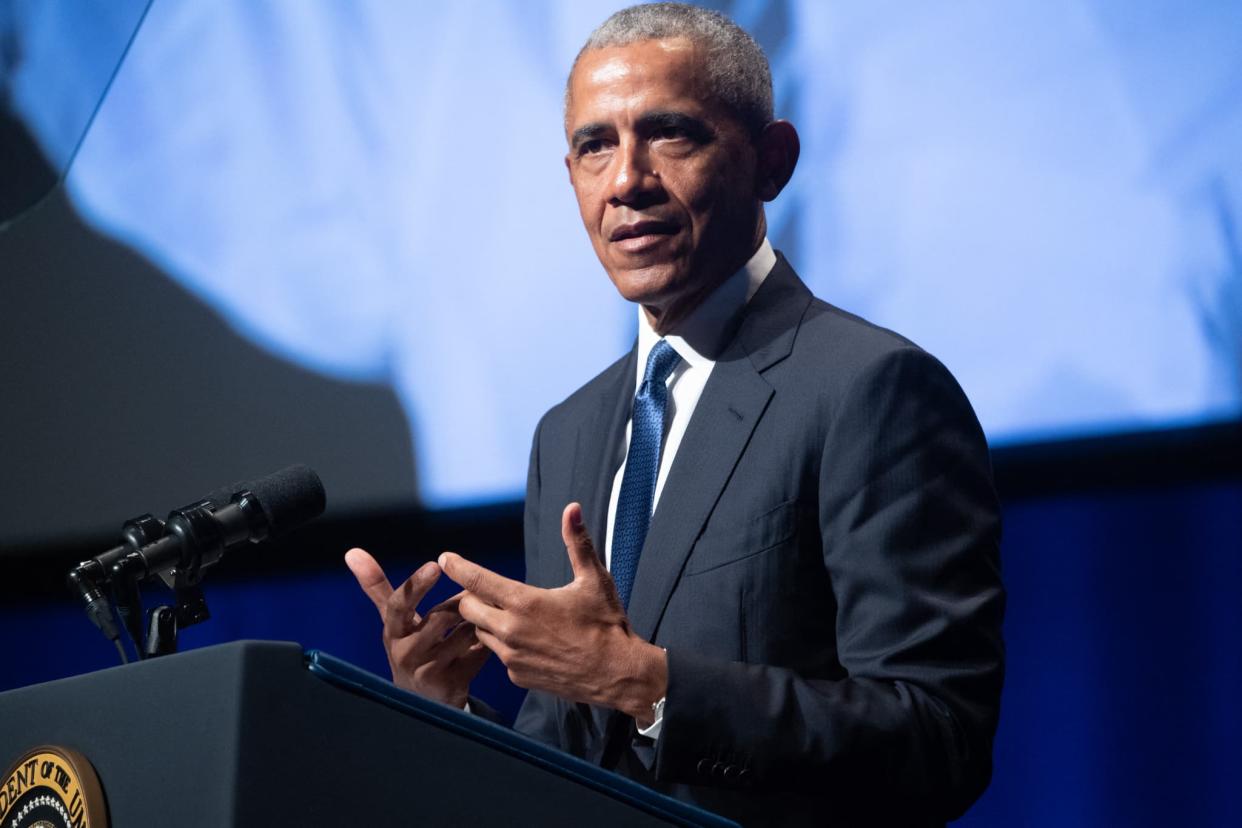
x=591, y=147
x=669, y=133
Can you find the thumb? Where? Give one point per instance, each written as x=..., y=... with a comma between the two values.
x=578, y=543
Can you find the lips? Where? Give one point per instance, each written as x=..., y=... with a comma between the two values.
x=639, y=229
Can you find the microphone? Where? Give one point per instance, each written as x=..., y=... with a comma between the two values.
x=141, y=531
x=196, y=536
x=193, y=538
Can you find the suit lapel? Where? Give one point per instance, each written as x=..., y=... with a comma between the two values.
x=598, y=453
x=597, y=456
x=733, y=401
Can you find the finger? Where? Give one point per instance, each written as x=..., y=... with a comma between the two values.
x=494, y=644
x=446, y=608
x=447, y=604
x=578, y=543
x=459, y=643
x=475, y=654
x=495, y=589
x=400, y=616
x=435, y=625
x=370, y=577
x=482, y=614
x=475, y=657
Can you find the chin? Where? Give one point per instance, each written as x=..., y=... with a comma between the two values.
x=654, y=285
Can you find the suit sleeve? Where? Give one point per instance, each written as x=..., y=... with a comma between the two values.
x=910, y=532
x=537, y=716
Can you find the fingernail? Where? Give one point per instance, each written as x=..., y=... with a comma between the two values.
x=440, y=560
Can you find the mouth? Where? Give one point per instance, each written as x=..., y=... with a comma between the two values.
x=638, y=236
x=642, y=229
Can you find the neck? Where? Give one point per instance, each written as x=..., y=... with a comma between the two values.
x=665, y=319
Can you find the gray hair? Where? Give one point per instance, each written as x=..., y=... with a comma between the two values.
x=737, y=70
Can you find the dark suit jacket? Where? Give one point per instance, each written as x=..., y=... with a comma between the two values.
x=822, y=568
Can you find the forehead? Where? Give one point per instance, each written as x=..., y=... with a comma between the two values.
x=612, y=82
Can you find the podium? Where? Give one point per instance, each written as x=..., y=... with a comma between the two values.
x=260, y=733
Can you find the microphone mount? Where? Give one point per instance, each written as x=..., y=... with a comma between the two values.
x=178, y=550
x=87, y=579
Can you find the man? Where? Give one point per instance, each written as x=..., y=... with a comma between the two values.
x=802, y=621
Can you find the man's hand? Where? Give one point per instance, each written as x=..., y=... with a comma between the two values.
x=575, y=641
x=435, y=654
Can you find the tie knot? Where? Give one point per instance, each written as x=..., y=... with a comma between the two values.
x=660, y=363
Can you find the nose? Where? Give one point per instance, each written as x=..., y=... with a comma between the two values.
x=634, y=181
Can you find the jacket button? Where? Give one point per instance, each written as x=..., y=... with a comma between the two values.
x=718, y=770
x=732, y=773
x=745, y=777
x=704, y=767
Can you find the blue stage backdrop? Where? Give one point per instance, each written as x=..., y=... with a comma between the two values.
x=1044, y=194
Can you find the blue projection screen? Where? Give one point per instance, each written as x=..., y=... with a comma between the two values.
x=1046, y=195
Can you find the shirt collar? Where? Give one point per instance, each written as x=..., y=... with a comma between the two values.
x=701, y=335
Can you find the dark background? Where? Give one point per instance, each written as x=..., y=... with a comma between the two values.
x=1121, y=554
x=120, y=384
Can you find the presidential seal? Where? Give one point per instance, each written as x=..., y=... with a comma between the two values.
x=52, y=787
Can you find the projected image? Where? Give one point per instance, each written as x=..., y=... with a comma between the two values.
x=1045, y=195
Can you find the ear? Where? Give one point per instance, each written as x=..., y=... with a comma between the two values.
x=778, y=147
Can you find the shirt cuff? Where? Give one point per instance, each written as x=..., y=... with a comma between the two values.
x=652, y=731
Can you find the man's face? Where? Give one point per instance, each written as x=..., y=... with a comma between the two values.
x=664, y=175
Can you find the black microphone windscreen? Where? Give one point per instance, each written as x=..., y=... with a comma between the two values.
x=223, y=496
x=289, y=498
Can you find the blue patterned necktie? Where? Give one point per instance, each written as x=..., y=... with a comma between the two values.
x=642, y=467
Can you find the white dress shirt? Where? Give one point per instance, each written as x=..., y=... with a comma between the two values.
x=698, y=340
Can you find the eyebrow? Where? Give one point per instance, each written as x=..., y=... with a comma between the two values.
x=587, y=133
x=697, y=129
x=648, y=122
